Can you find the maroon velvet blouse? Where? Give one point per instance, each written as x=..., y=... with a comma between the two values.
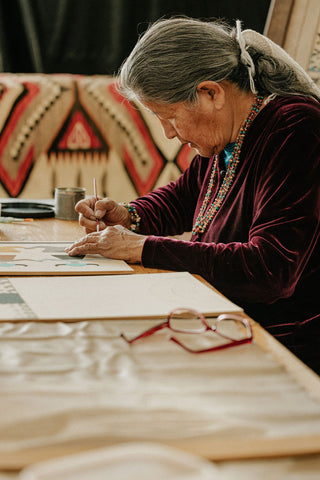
x=262, y=248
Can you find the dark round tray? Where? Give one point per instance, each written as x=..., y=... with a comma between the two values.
x=26, y=210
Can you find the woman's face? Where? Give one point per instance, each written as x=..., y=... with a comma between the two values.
x=201, y=126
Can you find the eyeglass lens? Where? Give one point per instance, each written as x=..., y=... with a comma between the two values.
x=215, y=332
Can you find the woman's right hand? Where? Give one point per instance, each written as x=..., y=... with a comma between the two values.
x=107, y=211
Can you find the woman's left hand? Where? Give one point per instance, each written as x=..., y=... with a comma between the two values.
x=115, y=242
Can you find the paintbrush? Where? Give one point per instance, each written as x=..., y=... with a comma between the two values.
x=96, y=198
x=14, y=220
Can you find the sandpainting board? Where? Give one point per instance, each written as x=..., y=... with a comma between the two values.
x=49, y=258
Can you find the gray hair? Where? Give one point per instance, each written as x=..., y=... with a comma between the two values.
x=173, y=56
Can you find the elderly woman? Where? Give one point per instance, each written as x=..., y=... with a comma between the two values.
x=250, y=196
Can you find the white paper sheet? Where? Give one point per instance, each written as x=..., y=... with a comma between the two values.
x=116, y=296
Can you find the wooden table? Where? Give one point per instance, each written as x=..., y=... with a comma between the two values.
x=41, y=230
x=294, y=372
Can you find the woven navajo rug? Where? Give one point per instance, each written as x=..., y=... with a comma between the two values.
x=71, y=124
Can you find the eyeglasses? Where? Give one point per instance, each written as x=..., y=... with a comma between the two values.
x=231, y=329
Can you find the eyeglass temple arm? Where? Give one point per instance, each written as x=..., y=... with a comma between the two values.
x=147, y=333
x=234, y=343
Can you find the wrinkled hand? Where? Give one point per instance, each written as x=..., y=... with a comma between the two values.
x=107, y=211
x=113, y=242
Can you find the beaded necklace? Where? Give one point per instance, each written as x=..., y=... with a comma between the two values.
x=205, y=217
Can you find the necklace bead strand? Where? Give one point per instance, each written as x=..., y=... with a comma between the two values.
x=207, y=214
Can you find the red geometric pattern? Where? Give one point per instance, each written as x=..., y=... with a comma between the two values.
x=13, y=179
x=142, y=172
x=13, y=186
x=28, y=105
x=79, y=135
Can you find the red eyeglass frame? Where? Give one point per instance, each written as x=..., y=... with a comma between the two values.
x=206, y=327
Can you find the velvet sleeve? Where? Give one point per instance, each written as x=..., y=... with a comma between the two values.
x=282, y=189
x=169, y=210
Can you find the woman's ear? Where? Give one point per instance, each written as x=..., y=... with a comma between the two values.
x=212, y=92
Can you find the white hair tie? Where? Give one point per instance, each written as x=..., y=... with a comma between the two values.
x=245, y=57
x=267, y=47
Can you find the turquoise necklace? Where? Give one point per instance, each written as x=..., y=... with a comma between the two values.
x=207, y=214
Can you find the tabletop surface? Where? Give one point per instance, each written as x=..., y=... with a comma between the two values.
x=62, y=382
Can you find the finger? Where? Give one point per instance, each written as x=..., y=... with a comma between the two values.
x=89, y=224
x=86, y=207
x=91, y=238
x=84, y=249
x=102, y=207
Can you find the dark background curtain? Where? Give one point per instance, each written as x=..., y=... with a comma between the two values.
x=95, y=36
